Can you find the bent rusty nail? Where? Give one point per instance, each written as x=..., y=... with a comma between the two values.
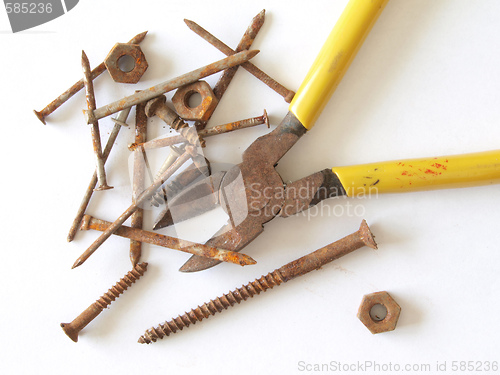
x=141, y=134
x=310, y=262
x=228, y=74
x=122, y=117
x=251, y=68
x=157, y=239
x=219, y=129
x=61, y=99
x=94, y=128
x=169, y=85
x=146, y=194
x=81, y=321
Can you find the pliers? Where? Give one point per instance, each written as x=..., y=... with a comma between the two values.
x=253, y=193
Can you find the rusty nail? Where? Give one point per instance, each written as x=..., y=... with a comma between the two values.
x=122, y=117
x=181, y=181
x=219, y=129
x=235, y=125
x=228, y=74
x=141, y=131
x=298, y=267
x=146, y=194
x=94, y=127
x=121, y=123
x=61, y=99
x=157, y=239
x=169, y=85
x=81, y=321
x=251, y=68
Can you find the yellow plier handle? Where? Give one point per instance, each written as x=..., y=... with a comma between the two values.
x=482, y=168
x=336, y=55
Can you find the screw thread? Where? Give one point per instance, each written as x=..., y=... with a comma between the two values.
x=122, y=285
x=213, y=307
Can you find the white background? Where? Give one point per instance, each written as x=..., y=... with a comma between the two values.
x=426, y=83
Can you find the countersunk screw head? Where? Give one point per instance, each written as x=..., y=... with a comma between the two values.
x=153, y=105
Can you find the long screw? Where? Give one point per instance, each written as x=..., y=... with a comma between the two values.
x=122, y=117
x=226, y=77
x=169, y=85
x=61, y=99
x=146, y=194
x=141, y=131
x=157, y=239
x=81, y=321
x=219, y=129
x=298, y=267
x=96, y=136
x=251, y=68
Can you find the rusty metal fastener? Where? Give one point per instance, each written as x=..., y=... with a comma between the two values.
x=96, y=136
x=202, y=134
x=61, y=99
x=226, y=128
x=228, y=74
x=169, y=85
x=141, y=134
x=382, y=324
x=298, y=267
x=201, y=112
x=179, y=182
x=157, y=239
x=81, y=321
x=122, y=117
x=146, y=194
x=158, y=107
x=112, y=63
x=249, y=67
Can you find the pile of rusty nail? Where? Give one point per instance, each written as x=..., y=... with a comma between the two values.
x=148, y=103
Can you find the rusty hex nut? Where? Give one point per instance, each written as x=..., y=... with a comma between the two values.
x=203, y=111
x=124, y=49
x=388, y=323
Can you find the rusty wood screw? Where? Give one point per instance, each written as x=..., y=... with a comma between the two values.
x=298, y=267
x=81, y=321
x=202, y=134
x=96, y=136
x=157, y=239
x=122, y=117
x=251, y=68
x=158, y=107
x=169, y=85
x=141, y=131
x=61, y=99
x=146, y=194
x=244, y=44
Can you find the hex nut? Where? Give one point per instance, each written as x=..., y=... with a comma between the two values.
x=390, y=320
x=114, y=56
x=204, y=110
